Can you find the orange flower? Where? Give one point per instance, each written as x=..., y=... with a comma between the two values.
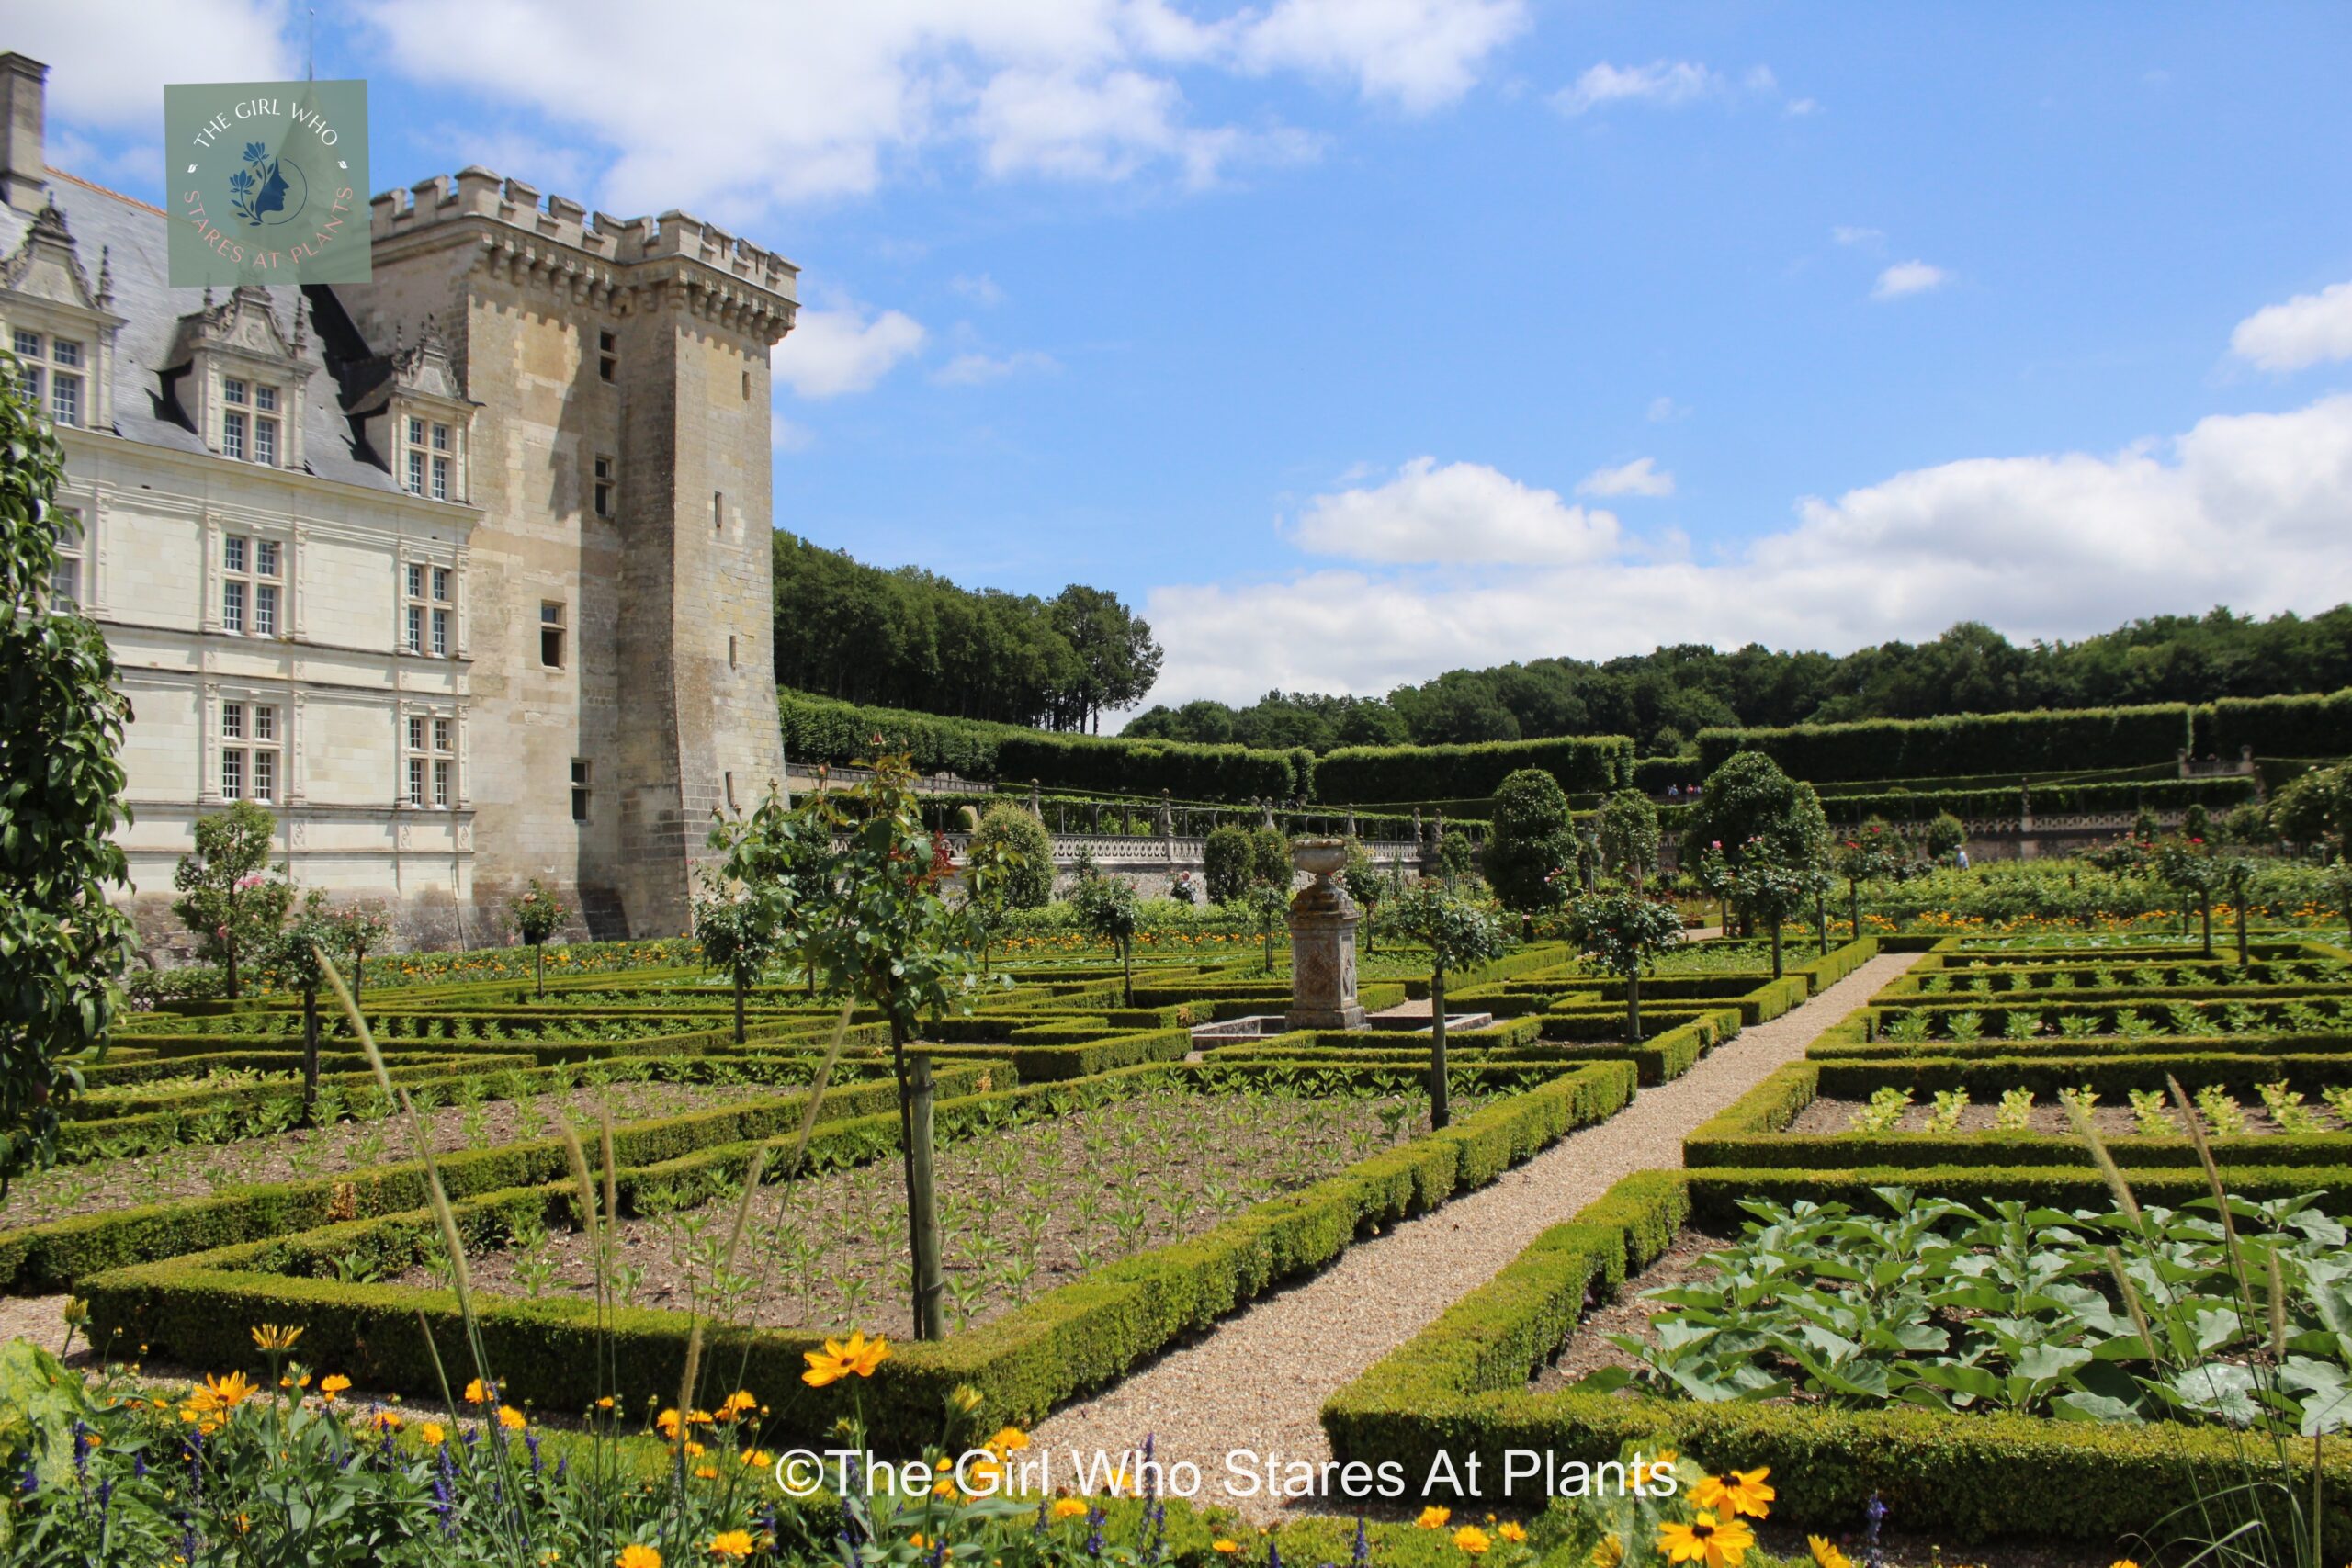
x=333, y=1384
x=510, y=1419
x=636, y=1556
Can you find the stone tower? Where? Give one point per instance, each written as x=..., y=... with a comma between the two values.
x=619, y=605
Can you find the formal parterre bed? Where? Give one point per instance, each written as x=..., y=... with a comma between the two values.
x=1986, y=1280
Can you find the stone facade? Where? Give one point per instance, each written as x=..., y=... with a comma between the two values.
x=491, y=599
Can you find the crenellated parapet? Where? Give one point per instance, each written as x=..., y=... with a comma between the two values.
x=553, y=244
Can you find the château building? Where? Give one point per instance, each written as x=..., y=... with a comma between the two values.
x=462, y=572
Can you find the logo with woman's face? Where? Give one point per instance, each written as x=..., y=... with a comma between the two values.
x=267, y=191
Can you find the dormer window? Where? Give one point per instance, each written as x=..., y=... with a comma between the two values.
x=429, y=463
x=251, y=427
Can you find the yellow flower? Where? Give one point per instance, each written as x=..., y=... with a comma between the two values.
x=706, y=1473
x=510, y=1419
x=636, y=1556
x=1473, y=1539
x=1610, y=1552
x=1741, y=1492
x=209, y=1405
x=841, y=1358
x=475, y=1394
x=1434, y=1518
x=668, y=1423
x=385, y=1421
x=1224, y=1547
x=918, y=1542
x=694, y=1449
x=276, y=1339
x=1827, y=1556
x=432, y=1434
x=1647, y=1470
x=1512, y=1531
x=606, y=1402
x=1704, y=1541
x=333, y=1384
x=2123, y=1563
x=756, y=1459
x=1068, y=1507
x=735, y=1403
x=1007, y=1440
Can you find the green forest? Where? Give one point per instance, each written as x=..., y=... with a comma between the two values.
x=910, y=638
x=1664, y=697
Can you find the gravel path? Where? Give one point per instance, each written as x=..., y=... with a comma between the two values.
x=1259, y=1380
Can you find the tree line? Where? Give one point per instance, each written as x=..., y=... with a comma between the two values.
x=1664, y=697
x=910, y=638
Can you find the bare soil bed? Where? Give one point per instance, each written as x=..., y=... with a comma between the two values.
x=1021, y=1211
x=200, y=1171
x=1588, y=1349
x=1826, y=1117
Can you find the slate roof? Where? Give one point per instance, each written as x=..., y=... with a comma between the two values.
x=134, y=236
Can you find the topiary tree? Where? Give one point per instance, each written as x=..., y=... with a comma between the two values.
x=1872, y=853
x=536, y=915
x=1269, y=858
x=1528, y=839
x=740, y=918
x=1628, y=836
x=1106, y=908
x=1267, y=908
x=1624, y=932
x=1020, y=852
x=2190, y=866
x=227, y=896
x=1771, y=891
x=62, y=946
x=1227, y=859
x=1459, y=932
x=358, y=930
x=297, y=953
x=1944, y=836
x=2316, y=809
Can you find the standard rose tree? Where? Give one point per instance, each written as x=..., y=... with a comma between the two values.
x=1458, y=932
x=1625, y=932
x=229, y=897
x=537, y=915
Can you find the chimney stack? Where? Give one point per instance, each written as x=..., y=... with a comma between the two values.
x=23, y=169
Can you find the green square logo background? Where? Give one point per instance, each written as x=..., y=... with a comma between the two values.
x=268, y=182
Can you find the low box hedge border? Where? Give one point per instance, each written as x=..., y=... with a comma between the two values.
x=1749, y=1133
x=1459, y=1387
x=1076, y=1337
x=43, y=1259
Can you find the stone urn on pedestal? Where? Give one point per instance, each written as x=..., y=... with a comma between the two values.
x=1322, y=942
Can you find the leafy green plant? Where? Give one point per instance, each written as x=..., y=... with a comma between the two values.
x=2015, y=1115
x=1885, y=1111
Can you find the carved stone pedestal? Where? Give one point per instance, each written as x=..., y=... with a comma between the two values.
x=1322, y=942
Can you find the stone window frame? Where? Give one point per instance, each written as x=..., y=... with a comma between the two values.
x=68, y=580
x=65, y=376
x=426, y=623
x=431, y=745
x=252, y=763
x=258, y=596
x=557, y=627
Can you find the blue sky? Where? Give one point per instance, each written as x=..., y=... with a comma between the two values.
x=1357, y=339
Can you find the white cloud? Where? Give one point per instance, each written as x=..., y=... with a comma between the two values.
x=830, y=352
x=1908, y=277
x=787, y=437
x=1462, y=512
x=2306, y=330
x=981, y=289
x=2042, y=547
x=1854, y=234
x=1662, y=82
x=1664, y=409
x=977, y=369
x=1640, y=477
x=1800, y=107
x=1418, y=54
x=108, y=59
x=732, y=107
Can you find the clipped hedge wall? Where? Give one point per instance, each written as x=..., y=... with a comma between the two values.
x=2316, y=727
x=2042, y=741
x=821, y=729
x=1369, y=775
x=1460, y=1386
